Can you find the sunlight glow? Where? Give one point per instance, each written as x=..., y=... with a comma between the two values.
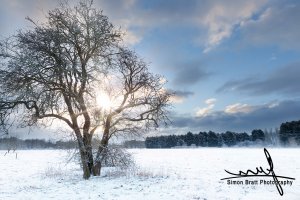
x=104, y=101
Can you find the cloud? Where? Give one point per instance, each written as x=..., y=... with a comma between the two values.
x=212, y=21
x=189, y=74
x=13, y=13
x=202, y=112
x=277, y=25
x=130, y=38
x=179, y=96
x=210, y=101
x=239, y=108
x=215, y=21
x=224, y=16
x=263, y=116
x=260, y=22
x=284, y=81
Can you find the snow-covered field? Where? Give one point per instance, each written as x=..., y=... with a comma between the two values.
x=160, y=174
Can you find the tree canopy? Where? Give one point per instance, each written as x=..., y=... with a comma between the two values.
x=59, y=69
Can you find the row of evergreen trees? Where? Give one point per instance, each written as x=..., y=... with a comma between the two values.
x=205, y=139
x=290, y=133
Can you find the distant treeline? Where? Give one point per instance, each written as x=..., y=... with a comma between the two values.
x=205, y=139
x=11, y=143
x=289, y=134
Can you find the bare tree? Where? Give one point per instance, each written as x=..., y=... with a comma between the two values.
x=54, y=70
x=138, y=99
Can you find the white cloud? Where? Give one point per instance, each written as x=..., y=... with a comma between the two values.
x=224, y=16
x=210, y=101
x=205, y=111
x=131, y=38
x=239, y=108
x=177, y=99
x=246, y=108
x=202, y=112
x=273, y=104
x=215, y=18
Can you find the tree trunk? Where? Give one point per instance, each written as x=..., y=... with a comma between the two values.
x=84, y=162
x=87, y=141
x=102, y=148
x=84, y=156
x=98, y=161
x=99, y=157
x=97, y=168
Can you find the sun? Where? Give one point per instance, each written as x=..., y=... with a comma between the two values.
x=104, y=101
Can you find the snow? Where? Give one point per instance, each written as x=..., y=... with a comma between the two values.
x=160, y=174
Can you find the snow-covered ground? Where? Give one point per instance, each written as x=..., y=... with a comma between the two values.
x=160, y=174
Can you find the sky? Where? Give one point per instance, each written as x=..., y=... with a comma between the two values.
x=234, y=65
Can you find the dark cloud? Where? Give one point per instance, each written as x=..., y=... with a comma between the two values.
x=260, y=22
x=212, y=21
x=277, y=25
x=189, y=74
x=174, y=11
x=284, y=81
x=181, y=93
x=157, y=11
x=13, y=14
x=267, y=116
